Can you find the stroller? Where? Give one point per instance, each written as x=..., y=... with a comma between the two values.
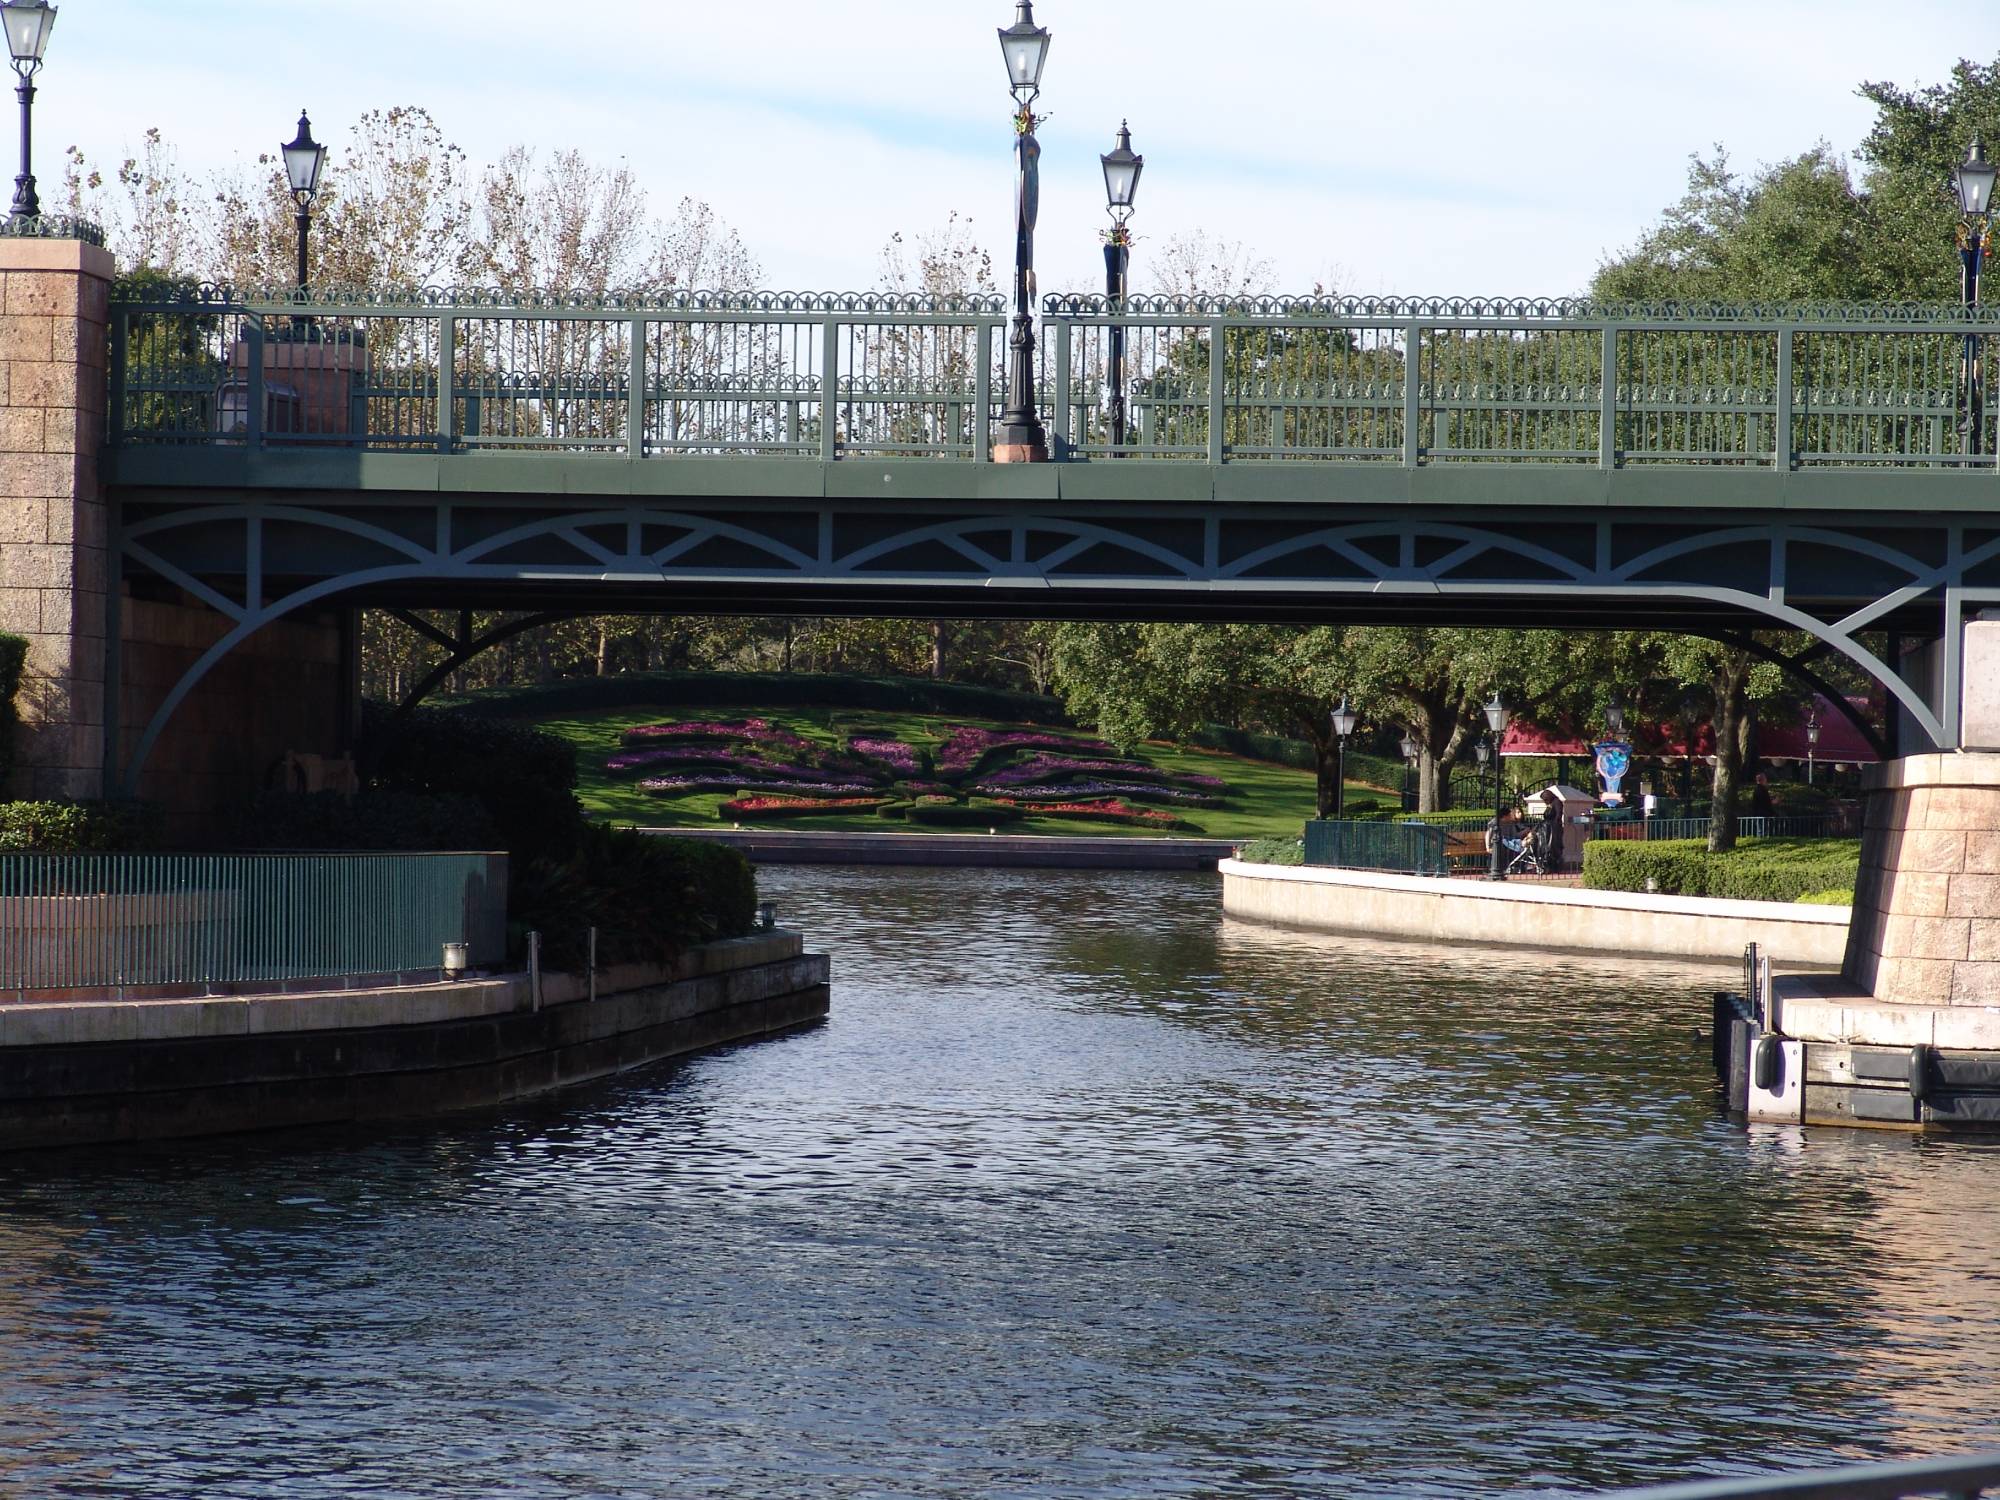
x=1537, y=855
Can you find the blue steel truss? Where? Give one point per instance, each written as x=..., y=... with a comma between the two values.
x=1708, y=469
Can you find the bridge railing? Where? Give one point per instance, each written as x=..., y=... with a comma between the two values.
x=1392, y=382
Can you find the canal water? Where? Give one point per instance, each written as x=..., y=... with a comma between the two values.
x=1083, y=1191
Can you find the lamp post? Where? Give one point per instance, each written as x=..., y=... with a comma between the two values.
x=1121, y=186
x=28, y=23
x=1496, y=721
x=1687, y=750
x=1409, y=746
x=1812, y=741
x=1344, y=720
x=1483, y=750
x=1973, y=179
x=1026, y=48
x=1614, y=716
x=305, y=159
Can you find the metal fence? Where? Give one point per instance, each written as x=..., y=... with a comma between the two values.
x=1638, y=830
x=1961, y=1477
x=1408, y=382
x=1406, y=848
x=123, y=921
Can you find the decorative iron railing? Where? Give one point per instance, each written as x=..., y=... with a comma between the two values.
x=1405, y=848
x=165, y=921
x=1636, y=830
x=1393, y=382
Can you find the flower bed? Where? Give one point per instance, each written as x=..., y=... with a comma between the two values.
x=966, y=748
x=894, y=754
x=1073, y=791
x=1110, y=810
x=794, y=807
x=675, y=786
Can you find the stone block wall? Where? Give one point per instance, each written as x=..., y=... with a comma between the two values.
x=282, y=690
x=1926, y=927
x=54, y=348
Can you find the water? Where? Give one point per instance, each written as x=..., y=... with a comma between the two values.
x=1083, y=1191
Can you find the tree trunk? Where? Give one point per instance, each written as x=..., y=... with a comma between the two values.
x=1326, y=766
x=937, y=651
x=786, y=661
x=603, y=648
x=1732, y=705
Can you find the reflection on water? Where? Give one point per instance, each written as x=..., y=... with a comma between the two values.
x=1083, y=1191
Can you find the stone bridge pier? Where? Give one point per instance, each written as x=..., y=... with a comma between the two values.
x=1909, y=1033
x=104, y=651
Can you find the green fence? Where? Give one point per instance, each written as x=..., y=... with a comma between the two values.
x=119, y=921
x=1406, y=848
x=1638, y=830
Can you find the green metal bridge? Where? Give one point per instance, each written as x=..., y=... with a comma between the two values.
x=1713, y=469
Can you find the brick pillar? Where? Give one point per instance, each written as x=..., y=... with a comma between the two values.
x=1926, y=927
x=54, y=525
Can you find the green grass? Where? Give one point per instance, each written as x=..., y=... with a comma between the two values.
x=1264, y=800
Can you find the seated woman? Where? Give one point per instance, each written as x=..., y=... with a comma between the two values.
x=1507, y=829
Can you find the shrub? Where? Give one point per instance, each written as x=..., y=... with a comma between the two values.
x=1828, y=898
x=942, y=814
x=372, y=819
x=1454, y=818
x=1756, y=870
x=523, y=778
x=13, y=657
x=649, y=898
x=796, y=807
x=80, y=827
x=1273, y=852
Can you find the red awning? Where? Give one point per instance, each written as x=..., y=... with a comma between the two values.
x=1839, y=740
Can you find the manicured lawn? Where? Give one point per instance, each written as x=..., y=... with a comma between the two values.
x=1262, y=800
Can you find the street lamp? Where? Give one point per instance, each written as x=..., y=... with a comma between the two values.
x=1614, y=716
x=1812, y=741
x=305, y=159
x=1687, y=749
x=1496, y=721
x=28, y=23
x=1409, y=747
x=1344, y=720
x=1121, y=186
x=1973, y=179
x=1026, y=48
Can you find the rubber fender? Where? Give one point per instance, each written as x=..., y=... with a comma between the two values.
x=1767, y=1065
x=1920, y=1072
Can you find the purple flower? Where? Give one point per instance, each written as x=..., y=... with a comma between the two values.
x=892, y=753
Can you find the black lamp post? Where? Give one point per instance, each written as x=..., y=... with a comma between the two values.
x=1812, y=741
x=28, y=23
x=1344, y=720
x=1687, y=749
x=1483, y=750
x=1409, y=747
x=1121, y=186
x=1614, y=716
x=1026, y=48
x=1973, y=179
x=305, y=159
x=1496, y=721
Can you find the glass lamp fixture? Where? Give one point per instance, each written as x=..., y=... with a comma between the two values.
x=1026, y=48
x=1410, y=746
x=28, y=23
x=1344, y=719
x=1614, y=716
x=305, y=159
x=1496, y=716
x=1973, y=178
x=1121, y=173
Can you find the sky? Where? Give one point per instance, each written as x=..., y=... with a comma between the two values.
x=1446, y=147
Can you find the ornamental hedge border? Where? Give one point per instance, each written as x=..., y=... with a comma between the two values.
x=917, y=695
x=1756, y=870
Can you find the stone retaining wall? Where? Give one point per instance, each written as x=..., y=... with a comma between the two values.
x=1533, y=916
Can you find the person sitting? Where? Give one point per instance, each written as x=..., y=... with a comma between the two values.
x=1760, y=797
x=1507, y=829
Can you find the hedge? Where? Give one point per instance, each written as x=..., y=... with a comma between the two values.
x=525, y=779
x=917, y=695
x=1273, y=852
x=80, y=827
x=962, y=815
x=374, y=819
x=1756, y=870
x=649, y=898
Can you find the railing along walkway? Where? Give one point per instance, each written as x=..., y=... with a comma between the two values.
x=1392, y=382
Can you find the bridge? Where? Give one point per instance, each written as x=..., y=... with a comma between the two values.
x=1715, y=469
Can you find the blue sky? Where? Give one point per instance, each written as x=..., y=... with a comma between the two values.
x=1442, y=147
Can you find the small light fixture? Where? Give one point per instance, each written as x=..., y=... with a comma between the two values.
x=1410, y=746
x=767, y=916
x=1484, y=750
x=1344, y=719
x=305, y=160
x=1026, y=48
x=457, y=959
x=28, y=23
x=1496, y=715
x=1121, y=174
x=1812, y=731
x=1614, y=716
x=1973, y=178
